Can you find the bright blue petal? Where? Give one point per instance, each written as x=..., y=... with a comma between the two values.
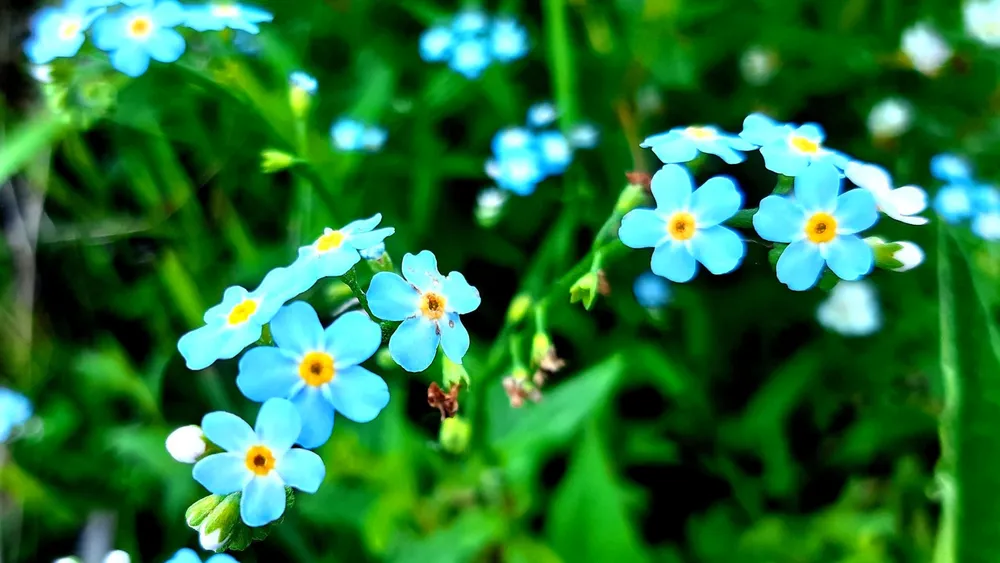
x=800, y=265
x=185, y=555
x=953, y=203
x=555, y=151
x=278, y=286
x=203, y=346
x=228, y=431
x=265, y=372
x=367, y=240
x=358, y=394
x=222, y=473
x=462, y=297
x=542, y=114
x=108, y=32
x=263, y=501
x=510, y=139
x=230, y=298
x=414, y=344
x=779, y=158
x=296, y=328
x=760, y=129
x=317, y=417
x=421, y=270
x=302, y=469
x=335, y=262
x=166, y=45
x=719, y=249
x=508, y=40
x=346, y=134
x=359, y=226
x=722, y=149
x=737, y=142
x=856, y=211
x=255, y=14
x=278, y=425
x=352, y=339
x=131, y=60
x=651, y=291
x=436, y=44
x=817, y=188
x=671, y=186
x=469, y=58
x=779, y=219
x=391, y=298
x=715, y=201
x=849, y=257
x=811, y=131
x=673, y=261
x=987, y=225
x=454, y=337
x=642, y=228
x=951, y=168
x=676, y=148
x=168, y=13
x=519, y=170
x=221, y=558
x=14, y=407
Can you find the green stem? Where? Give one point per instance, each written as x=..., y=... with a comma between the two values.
x=743, y=219
x=560, y=49
x=351, y=280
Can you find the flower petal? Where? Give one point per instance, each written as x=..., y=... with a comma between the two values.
x=414, y=344
x=671, y=186
x=719, y=249
x=362, y=241
x=266, y=372
x=421, y=270
x=800, y=265
x=454, y=338
x=721, y=148
x=391, y=298
x=673, y=261
x=317, y=417
x=360, y=226
x=715, y=201
x=780, y=159
x=278, y=425
x=359, y=394
x=674, y=149
x=817, y=188
x=168, y=13
x=869, y=176
x=779, y=219
x=130, y=60
x=302, y=469
x=166, y=45
x=352, y=339
x=909, y=200
x=462, y=297
x=855, y=212
x=222, y=473
x=760, y=129
x=228, y=431
x=296, y=328
x=849, y=257
x=642, y=228
x=263, y=500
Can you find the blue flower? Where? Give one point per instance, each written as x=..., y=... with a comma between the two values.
x=583, y=136
x=373, y=252
x=237, y=322
x=134, y=36
x=351, y=135
x=188, y=555
x=508, y=40
x=373, y=138
x=542, y=114
x=260, y=461
x=651, y=291
x=683, y=144
x=820, y=225
x=512, y=138
x=516, y=170
x=788, y=149
x=304, y=82
x=685, y=228
x=470, y=57
x=951, y=168
x=986, y=225
x=954, y=203
x=429, y=305
x=436, y=43
x=317, y=370
x=337, y=251
x=59, y=32
x=555, y=152
x=15, y=410
x=217, y=16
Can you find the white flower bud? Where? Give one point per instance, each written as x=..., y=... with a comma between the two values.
x=909, y=255
x=852, y=309
x=890, y=118
x=758, y=65
x=186, y=444
x=926, y=50
x=212, y=541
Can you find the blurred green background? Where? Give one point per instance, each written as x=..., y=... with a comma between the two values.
x=731, y=427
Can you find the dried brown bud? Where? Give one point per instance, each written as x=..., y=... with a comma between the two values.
x=447, y=403
x=640, y=179
x=539, y=378
x=551, y=362
x=602, y=283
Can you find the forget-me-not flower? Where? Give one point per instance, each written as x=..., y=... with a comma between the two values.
x=470, y=57
x=135, y=35
x=237, y=322
x=188, y=555
x=902, y=204
x=472, y=41
x=508, y=40
x=954, y=203
x=351, y=135
x=15, y=410
x=852, y=309
x=304, y=82
x=429, y=305
x=216, y=16
x=317, y=370
x=820, y=226
x=337, y=251
x=517, y=170
x=924, y=47
x=686, y=226
x=651, y=291
x=555, y=151
x=683, y=144
x=951, y=168
x=59, y=32
x=583, y=136
x=542, y=114
x=258, y=461
x=788, y=149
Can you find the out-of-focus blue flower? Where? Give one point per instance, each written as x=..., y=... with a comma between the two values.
x=789, y=149
x=429, y=305
x=318, y=370
x=986, y=225
x=470, y=57
x=951, y=168
x=555, y=152
x=15, y=410
x=542, y=114
x=216, y=16
x=373, y=138
x=188, y=555
x=516, y=170
x=246, y=43
x=954, y=203
x=469, y=23
x=820, y=226
x=237, y=322
x=985, y=198
x=337, y=251
x=685, y=228
x=304, y=82
x=134, y=36
x=508, y=40
x=651, y=291
x=902, y=204
x=471, y=42
x=512, y=138
x=59, y=32
x=436, y=43
x=683, y=144
x=352, y=135
x=583, y=136
x=258, y=461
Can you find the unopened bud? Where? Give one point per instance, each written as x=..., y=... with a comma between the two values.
x=454, y=374
x=272, y=160
x=489, y=206
x=300, y=93
x=909, y=256
x=518, y=308
x=631, y=197
x=540, y=346
x=455, y=434
x=378, y=259
x=212, y=541
x=187, y=444
x=584, y=290
x=215, y=519
x=896, y=256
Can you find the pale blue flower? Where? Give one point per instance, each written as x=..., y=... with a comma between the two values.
x=951, y=168
x=373, y=138
x=555, y=152
x=789, y=149
x=15, y=410
x=953, y=203
x=237, y=322
x=260, y=461
x=820, y=226
x=470, y=57
x=517, y=170
x=986, y=225
x=336, y=251
x=508, y=40
x=469, y=23
x=429, y=305
x=216, y=16
x=436, y=44
x=683, y=144
x=651, y=291
x=318, y=370
x=512, y=138
x=583, y=136
x=59, y=32
x=352, y=135
x=134, y=36
x=686, y=226
x=304, y=82
x=188, y=555
x=542, y=114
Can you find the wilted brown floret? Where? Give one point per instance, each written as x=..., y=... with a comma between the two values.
x=447, y=403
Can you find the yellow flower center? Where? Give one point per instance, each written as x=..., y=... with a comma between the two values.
x=260, y=460
x=330, y=241
x=700, y=133
x=432, y=305
x=316, y=368
x=140, y=27
x=225, y=10
x=804, y=145
x=69, y=28
x=241, y=312
x=821, y=227
x=681, y=225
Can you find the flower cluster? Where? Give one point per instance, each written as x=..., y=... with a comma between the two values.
x=524, y=156
x=132, y=32
x=471, y=41
x=964, y=198
x=350, y=135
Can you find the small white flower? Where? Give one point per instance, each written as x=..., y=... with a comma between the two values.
x=583, y=136
x=890, y=118
x=910, y=255
x=982, y=21
x=902, y=204
x=758, y=65
x=851, y=310
x=925, y=48
x=186, y=444
x=211, y=541
x=117, y=556
x=542, y=114
x=42, y=73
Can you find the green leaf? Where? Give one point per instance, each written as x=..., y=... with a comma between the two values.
x=527, y=550
x=589, y=520
x=470, y=533
x=27, y=141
